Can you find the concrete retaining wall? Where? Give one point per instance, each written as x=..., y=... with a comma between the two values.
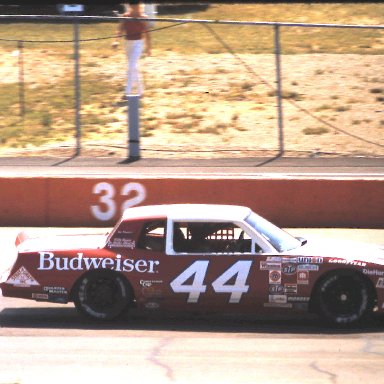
x=99, y=201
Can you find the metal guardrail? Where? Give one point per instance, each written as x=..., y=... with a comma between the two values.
x=134, y=150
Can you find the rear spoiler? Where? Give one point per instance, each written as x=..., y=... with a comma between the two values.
x=22, y=236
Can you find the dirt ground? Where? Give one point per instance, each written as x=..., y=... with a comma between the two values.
x=220, y=105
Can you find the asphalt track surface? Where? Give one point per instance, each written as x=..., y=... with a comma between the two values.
x=45, y=343
x=52, y=343
x=355, y=167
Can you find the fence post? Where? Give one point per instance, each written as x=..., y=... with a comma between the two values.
x=77, y=86
x=133, y=124
x=279, y=89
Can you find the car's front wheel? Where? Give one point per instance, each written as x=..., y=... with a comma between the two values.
x=343, y=298
x=102, y=295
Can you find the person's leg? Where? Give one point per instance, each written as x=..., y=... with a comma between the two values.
x=134, y=51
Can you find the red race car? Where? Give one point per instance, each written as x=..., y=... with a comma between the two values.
x=198, y=257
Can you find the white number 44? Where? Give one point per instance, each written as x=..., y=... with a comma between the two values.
x=199, y=269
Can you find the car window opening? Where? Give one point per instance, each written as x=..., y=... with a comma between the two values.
x=153, y=236
x=210, y=237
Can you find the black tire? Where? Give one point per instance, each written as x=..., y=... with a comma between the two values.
x=343, y=298
x=102, y=295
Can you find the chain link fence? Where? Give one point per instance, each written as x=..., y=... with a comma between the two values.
x=212, y=88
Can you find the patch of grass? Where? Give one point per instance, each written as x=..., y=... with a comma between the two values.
x=50, y=111
x=293, y=95
x=342, y=108
x=247, y=86
x=215, y=129
x=185, y=126
x=235, y=117
x=147, y=130
x=175, y=115
x=315, y=131
x=377, y=90
x=46, y=120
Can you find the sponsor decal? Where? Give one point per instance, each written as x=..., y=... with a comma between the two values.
x=274, y=258
x=39, y=296
x=152, y=305
x=48, y=261
x=307, y=267
x=268, y=265
x=118, y=242
x=309, y=260
x=274, y=277
x=278, y=305
x=373, y=272
x=55, y=290
x=124, y=232
x=303, y=277
x=151, y=292
x=298, y=299
x=289, y=260
x=380, y=283
x=347, y=262
x=22, y=278
x=289, y=269
x=148, y=283
x=274, y=289
x=290, y=289
x=280, y=299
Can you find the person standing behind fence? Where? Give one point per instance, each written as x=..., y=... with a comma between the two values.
x=136, y=33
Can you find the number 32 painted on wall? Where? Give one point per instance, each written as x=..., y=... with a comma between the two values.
x=106, y=208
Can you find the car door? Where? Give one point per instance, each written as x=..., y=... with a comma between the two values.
x=213, y=266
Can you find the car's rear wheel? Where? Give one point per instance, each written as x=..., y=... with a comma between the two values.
x=102, y=295
x=343, y=298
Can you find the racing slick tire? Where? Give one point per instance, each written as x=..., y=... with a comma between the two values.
x=343, y=298
x=102, y=295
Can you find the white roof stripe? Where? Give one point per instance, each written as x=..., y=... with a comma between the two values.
x=189, y=212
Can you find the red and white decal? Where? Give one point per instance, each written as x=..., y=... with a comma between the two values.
x=274, y=277
x=303, y=277
x=22, y=278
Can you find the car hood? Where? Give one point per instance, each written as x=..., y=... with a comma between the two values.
x=63, y=242
x=344, y=249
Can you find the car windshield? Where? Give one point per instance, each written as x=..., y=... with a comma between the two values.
x=278, y=238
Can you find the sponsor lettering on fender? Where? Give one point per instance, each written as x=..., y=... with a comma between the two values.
x=373, y=272
x=309, y=260
x=48, y=261
x=118, y=242
x=347, y=262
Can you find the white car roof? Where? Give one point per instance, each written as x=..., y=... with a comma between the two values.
x=196, y=212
